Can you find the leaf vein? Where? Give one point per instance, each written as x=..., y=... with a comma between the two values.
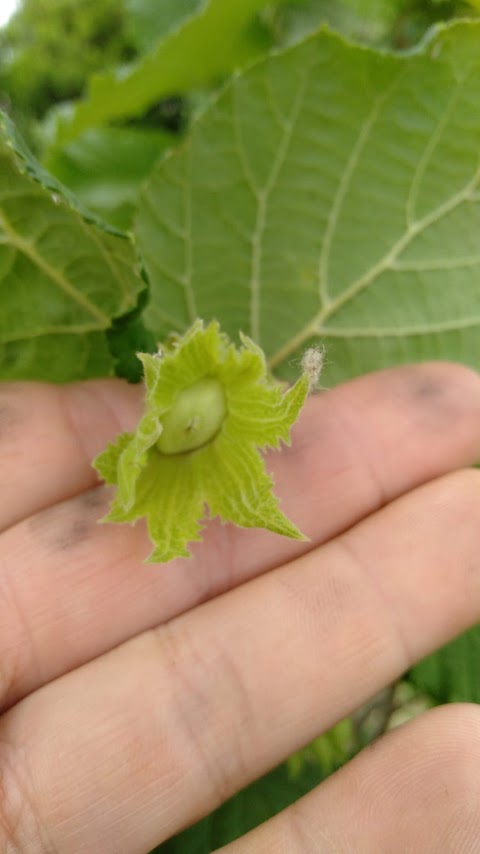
x=29, y=250
x=188, y=274
x=399, y=331
x=341, y=193
x=262, y=204
x=426, y=158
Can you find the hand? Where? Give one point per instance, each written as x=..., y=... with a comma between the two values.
x=136, y=698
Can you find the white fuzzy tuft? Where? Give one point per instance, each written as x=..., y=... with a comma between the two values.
x=312, y=364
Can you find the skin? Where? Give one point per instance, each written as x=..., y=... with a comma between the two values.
x=136, y=698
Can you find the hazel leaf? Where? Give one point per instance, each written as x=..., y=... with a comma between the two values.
x=210, y=408
x=330, y=191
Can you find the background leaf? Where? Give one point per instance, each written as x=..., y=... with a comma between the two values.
x=371, y=21
x=62, y=279
x=208, y=46
x=150, y=21
x=330, y=191
x=105, y=167
x=453, y=674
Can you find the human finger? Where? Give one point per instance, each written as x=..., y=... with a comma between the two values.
x=417, y=789
x=131, y=747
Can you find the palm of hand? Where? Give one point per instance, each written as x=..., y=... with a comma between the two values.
x=136, y=698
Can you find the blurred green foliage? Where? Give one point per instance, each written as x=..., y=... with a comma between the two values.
x=148, y=22
x=50, y=47
x=392, y=24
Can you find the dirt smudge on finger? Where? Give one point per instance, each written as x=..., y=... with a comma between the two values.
x=70, y=523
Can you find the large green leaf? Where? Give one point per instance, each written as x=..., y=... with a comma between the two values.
x=62, y=279
x=206, y=47
x=333, y=192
